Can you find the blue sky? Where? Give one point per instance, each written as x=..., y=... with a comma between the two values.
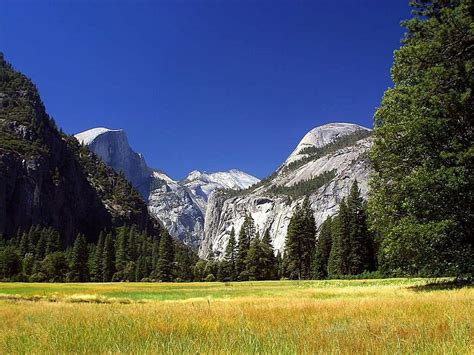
x=207, y=85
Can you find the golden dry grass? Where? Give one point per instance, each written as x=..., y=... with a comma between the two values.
x=331, y=317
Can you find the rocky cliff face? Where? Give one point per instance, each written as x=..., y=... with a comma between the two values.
x=112, y=147
x=179, y=205
x=324, y=165
x=46, y=178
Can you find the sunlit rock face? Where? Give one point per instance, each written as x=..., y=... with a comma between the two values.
x=347, y=161
x=179, y=205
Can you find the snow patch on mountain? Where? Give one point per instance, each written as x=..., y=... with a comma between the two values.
x=87, y=137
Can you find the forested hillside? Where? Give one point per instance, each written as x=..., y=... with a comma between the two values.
x=48, y=179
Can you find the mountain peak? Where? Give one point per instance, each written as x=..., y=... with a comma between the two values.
x=323, y=135
x=87, y=137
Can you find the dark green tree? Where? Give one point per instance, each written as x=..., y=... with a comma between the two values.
x=323, y=250
x=268, y=262
x=361, y=254
x=165, y=262
x=246, y=234
x=300, y=242
x=184, y=259
x=254, y=260
x=121, y=251
x=422, y=186
x=338, y=263
x=55, y=267
x=79, y=269
x=40, y=247
x=108, y=261
x=228, y=267
x=53, y=243
x=10, y=262
x=96, y=266
x=24, y=247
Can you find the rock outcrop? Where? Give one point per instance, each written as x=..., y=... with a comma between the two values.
x=179, y=205
x=111, y=145
x=324, y=165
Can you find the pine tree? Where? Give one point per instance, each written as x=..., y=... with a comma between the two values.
x=246, y=234
x=141, y=268
x=361, y=256
x=155, y=253
x=422, y=186
x=40, y=248
x=269, y=263
x=308, y=239
x=53, y=243
x=254, y=260
x=108, y=261
x=300, y=242
x=280, y=266
x=121, y=250
x=24, y=247
x=323, y=250
x=132, y=244
x=339, y=255
x=166, y=258
x=230, y=256
x=79, y=269
x=96, y=267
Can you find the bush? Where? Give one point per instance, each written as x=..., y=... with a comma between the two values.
x=210, y=278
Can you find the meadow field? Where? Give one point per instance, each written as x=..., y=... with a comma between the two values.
x=282, y=317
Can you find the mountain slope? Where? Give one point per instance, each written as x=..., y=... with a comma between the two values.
x=47, y=178
x=112, y=147
x=179, y=205
x=323, y=165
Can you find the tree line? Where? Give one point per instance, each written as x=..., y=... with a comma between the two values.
x=124, y=254
x=341, y=247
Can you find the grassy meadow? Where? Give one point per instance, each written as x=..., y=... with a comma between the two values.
x=282, y=317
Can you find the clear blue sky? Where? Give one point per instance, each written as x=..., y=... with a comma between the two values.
x=208, y=85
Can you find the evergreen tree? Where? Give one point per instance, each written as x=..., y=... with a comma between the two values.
x=254, y=260
x=422, y=186
x=268, y=263
x=360, y=256
x=155, y=253
x=53, y=243
x=280, y=266
x=166, y=258
x=132, y=244
x=184, y=258
x=40, y=248
x=323, y=250
x=10, y=262
x=121, y=251
x=229, y=264
x=108, y=259
x=339, y=255
x=55, y=267
x=246, y=234
x=24, y=246
x=141, y=268
x=300, y=242
x=96, y=267
x=308, y=238
x=79, y=269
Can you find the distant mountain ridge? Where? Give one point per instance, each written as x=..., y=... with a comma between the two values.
x=323, y=166
x=179, y=205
